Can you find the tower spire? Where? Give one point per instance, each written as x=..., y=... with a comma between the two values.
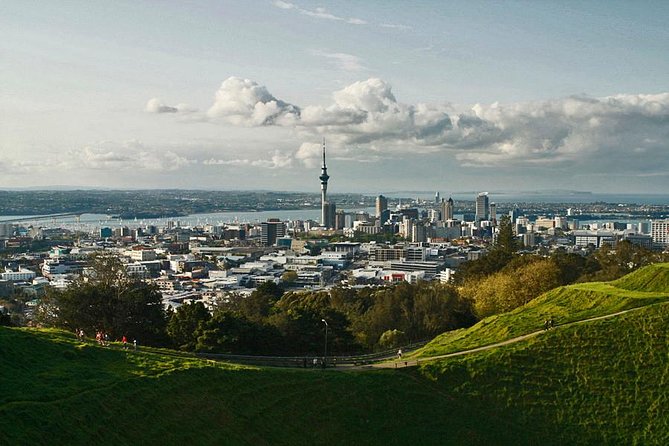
x=324, y=190
x=324, y=154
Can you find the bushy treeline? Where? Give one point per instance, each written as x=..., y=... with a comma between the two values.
x=267, y=322
x=270, y=321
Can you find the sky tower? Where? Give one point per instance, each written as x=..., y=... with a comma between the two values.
x=324, y=190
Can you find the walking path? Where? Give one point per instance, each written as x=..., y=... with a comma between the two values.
x=413, y=362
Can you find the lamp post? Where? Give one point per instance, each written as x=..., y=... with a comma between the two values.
x=325, y=355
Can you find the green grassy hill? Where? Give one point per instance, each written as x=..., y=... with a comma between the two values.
x=600, y=382
x=567, y=304
x=54, y=390
x=651, y=278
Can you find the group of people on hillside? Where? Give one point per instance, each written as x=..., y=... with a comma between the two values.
x=102, y=338
x=549, y=323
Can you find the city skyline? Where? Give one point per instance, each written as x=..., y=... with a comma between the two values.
x=470, y=95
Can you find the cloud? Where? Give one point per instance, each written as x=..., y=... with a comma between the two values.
x=624, y=129
x=365, y=112
x=573, y=129
x=319, y=13
x=309, y=154
x=343, y=61
x=396, y=26
x=246, y=103
x=155, y=105
x=276, y=161
x=365, y=119
x=128, y=155
x=284, y=5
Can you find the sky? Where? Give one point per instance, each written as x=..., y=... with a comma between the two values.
x=432, y=95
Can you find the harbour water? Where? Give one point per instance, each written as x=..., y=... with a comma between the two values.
x=91, y=222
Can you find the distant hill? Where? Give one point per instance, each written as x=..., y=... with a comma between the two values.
x=597, y=382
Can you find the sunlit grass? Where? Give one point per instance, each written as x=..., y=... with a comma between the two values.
x=565, y=304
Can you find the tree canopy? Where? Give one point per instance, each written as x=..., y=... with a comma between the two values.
x=107, y=299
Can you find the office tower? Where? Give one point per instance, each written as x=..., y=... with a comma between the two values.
x=482, y=206
x=659, y=230
x=447, y=209
x=272, y=229
x=324, y=190
x=514, y=214
x=329, y=211
x=340, y=220
x=381, y=205
x=436, y=198
x=493, y=213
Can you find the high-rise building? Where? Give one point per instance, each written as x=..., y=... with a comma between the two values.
x=514, y=214
x=659, y=230
x=493, y=213
x=325, y=208
x=330, y=214
x=340, y=220
x=482, y=206
x=381, y=205
x=272, y=229
x=436, y=198
x=447, y=209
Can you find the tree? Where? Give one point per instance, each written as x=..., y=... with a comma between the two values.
x=185, y=324
x=515, y=285
x=502, y=252
x=299, y=319
x=506, y=241
x=230, y=332
x=107, y=299
x=289, y=277
x=392, y=338
x=257, y=306
x=613, y=263
x=5, y=319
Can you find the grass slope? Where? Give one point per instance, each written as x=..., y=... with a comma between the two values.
x=601, y=382
x=54, y=390
x=566, y=304
x=651, y=278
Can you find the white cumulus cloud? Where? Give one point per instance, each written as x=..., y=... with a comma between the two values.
x=365, y=119
x=246, y=103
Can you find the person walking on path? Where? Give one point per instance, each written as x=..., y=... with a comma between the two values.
x=125, y=342
x=399, y=354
